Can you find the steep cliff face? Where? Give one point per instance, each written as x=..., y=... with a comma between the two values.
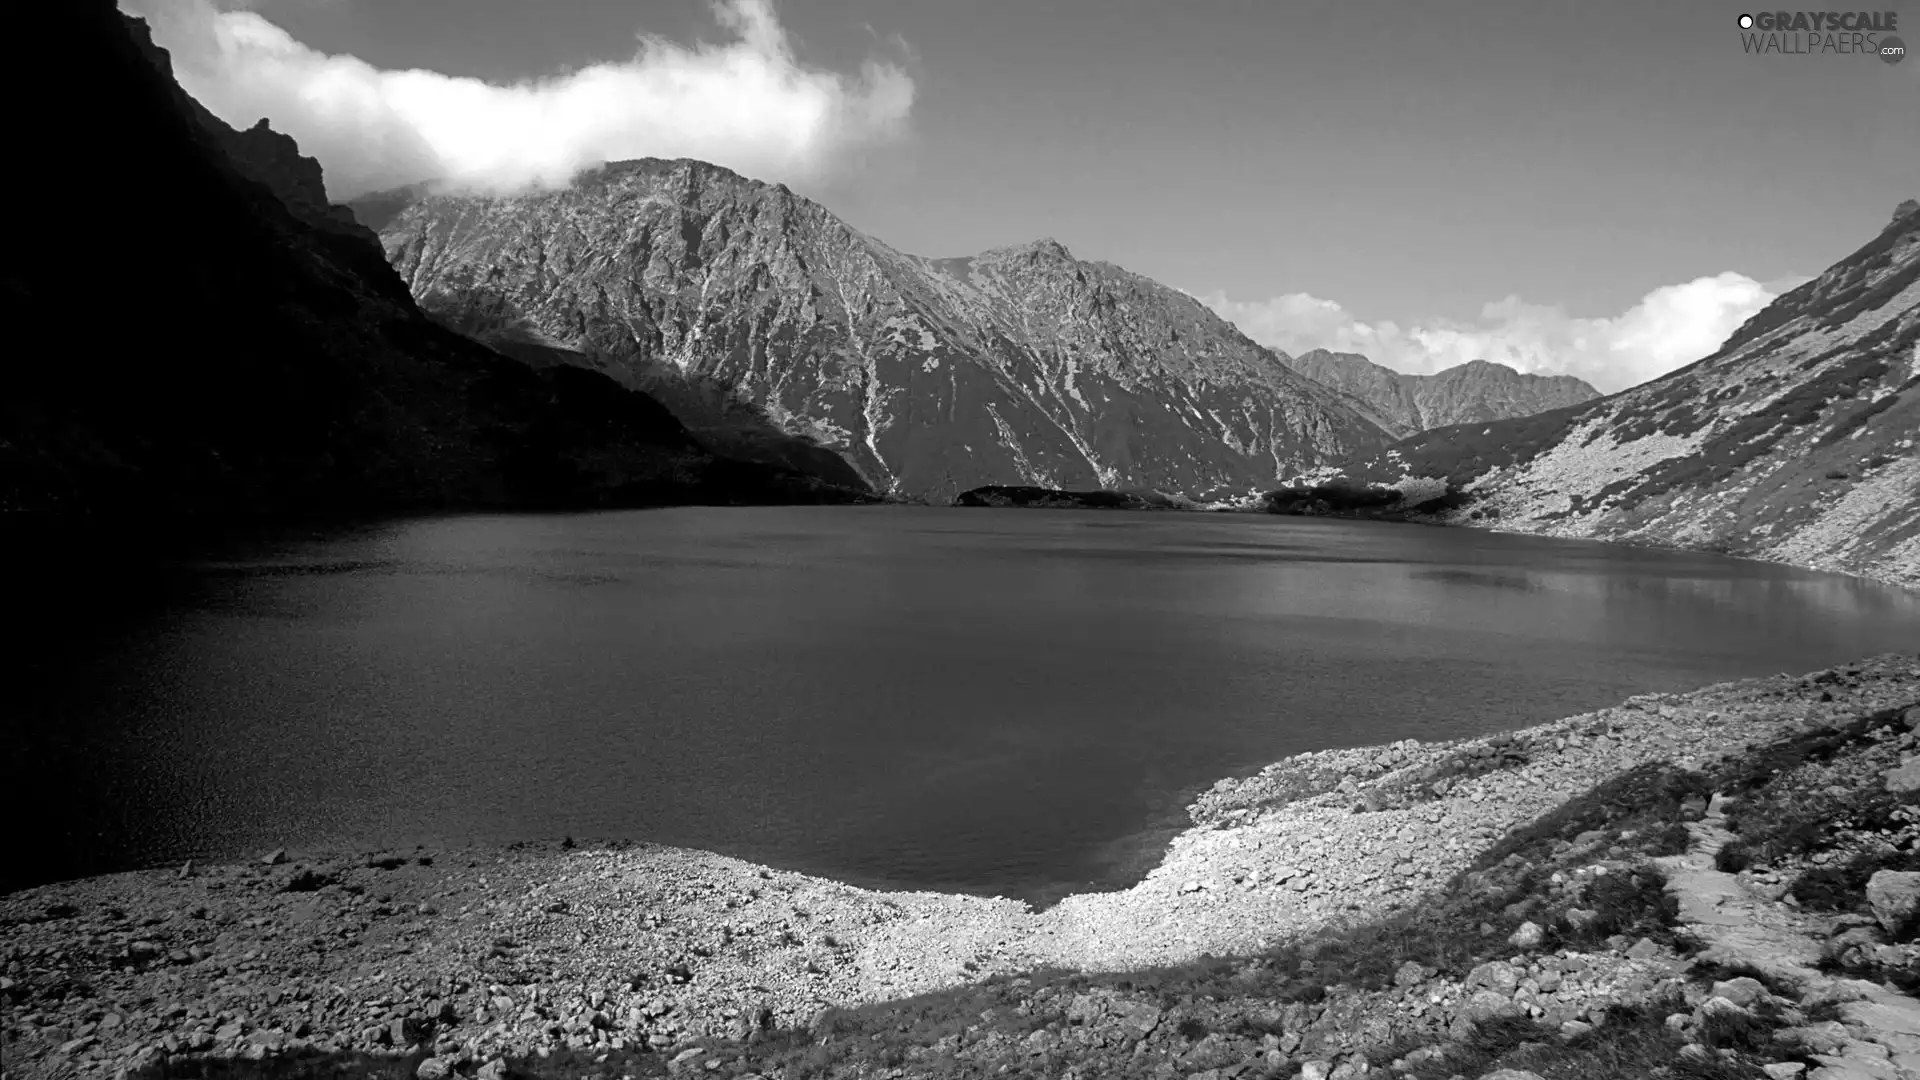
x=774, y=330
x=229, y=346
x=1794, y=442
x=1473, y=392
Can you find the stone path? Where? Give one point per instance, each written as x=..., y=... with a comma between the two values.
x=1880, y=1036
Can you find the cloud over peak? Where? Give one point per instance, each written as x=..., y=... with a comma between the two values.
x=748, y=104
x=1669, y=328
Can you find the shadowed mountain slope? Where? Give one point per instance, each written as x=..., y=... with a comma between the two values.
x=201, y=338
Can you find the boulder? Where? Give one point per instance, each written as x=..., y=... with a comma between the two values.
x=1140, y=1020
x=1496, y=975
x=1904, y=776
x=1893, y=895
x=1484, y=1005
x=1528, y=936
x=1742, y=991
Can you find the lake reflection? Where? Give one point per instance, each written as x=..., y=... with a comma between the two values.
x=996, y=701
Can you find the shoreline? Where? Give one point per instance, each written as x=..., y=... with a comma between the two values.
x=332, y=951
x=1890, y=576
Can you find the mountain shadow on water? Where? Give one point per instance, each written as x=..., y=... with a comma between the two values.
x=201, y=339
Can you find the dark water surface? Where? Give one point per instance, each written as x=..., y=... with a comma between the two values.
x=994, y=701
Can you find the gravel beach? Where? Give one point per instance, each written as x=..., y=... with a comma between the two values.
x=526, y=947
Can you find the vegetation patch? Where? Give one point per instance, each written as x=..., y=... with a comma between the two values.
x=1434, y=781
x=1463, y=452
x=1337, y=496
x=1004, y=495
x=1860, y=417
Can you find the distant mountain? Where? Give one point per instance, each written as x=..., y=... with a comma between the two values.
x=1474, y=392
x=1794, y=442
x=211, y=341
x=776, y=331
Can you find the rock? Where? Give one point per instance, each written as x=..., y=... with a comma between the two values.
x=1783, y=1070
x=1904, y=776
x=434, y=1068
x=1141, y=1019
x=1484, y=1005
x=274, y=857
x=1719, y=1006
x=1316, y=1070
x=1410, y=973
x=1742, y=991
x=1495, y=975
x=1511, y=1074
x=1893, y=895
x=1528, y=936
x=1860, y=937
x=1827, y=1037
x=1644, y=949
x=495, y=1069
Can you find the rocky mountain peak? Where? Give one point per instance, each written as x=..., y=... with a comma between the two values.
x=1476, y=391
x=773, y=329
x=1043, y=251
x=1329, y=354
x=1906, y=210
x=680, y=170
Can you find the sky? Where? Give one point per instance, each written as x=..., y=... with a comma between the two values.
x=1604, y=188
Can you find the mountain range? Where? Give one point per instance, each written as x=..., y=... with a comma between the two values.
x=228, y=344
x=1794, y=441
x=775, y=330
x=1473, y=392
x=203, y=338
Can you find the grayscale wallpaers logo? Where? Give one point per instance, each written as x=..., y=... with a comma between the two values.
x=1810, y=33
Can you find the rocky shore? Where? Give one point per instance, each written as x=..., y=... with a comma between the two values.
x=465, y=959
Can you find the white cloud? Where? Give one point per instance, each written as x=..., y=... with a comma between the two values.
x=748, y=104
x=1670, y=327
